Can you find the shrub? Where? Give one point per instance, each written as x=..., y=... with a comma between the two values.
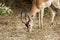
x=4, y=10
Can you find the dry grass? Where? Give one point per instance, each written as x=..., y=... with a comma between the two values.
x=11, y=28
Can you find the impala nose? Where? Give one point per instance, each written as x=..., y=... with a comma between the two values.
x=27, y=24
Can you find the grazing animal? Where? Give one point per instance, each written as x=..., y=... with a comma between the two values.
x=39, y=6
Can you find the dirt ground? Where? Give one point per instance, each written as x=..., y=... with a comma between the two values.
x=11, y=28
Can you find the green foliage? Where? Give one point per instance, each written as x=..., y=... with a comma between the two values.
x=4, y=10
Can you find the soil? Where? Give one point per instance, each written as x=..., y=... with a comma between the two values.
x=11, y=28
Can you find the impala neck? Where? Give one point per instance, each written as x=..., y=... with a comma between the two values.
x=33, y=11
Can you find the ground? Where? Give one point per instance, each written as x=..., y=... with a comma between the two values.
x=11, y=28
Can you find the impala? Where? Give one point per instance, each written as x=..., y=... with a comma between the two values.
x=39, y=6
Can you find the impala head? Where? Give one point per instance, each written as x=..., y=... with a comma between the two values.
x=25, y=18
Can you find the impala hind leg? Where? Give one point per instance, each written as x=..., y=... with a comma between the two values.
x=53, y=15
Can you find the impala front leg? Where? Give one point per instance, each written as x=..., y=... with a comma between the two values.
x=42, y=13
